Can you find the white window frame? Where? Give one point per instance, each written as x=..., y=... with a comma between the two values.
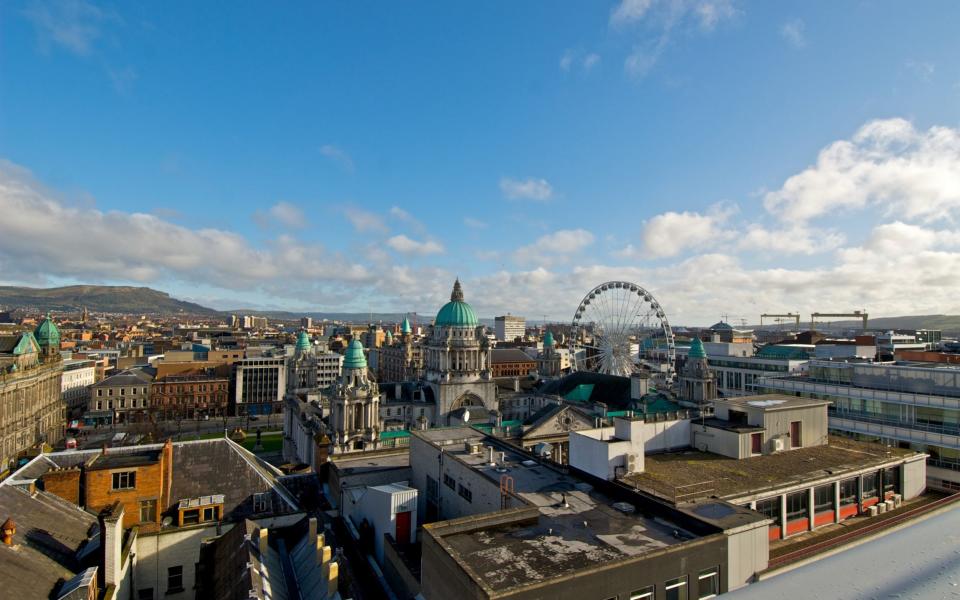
x=680, y=582
x=647, y=593
x=712, y=572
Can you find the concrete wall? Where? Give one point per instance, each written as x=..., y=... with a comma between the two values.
x=721, y=441
x=747, y=554
x=666, y=435
x=374, y=476
x=813, y=426
x=403, y=583
x=914, y=478
x=599, y=457
x=158, y=552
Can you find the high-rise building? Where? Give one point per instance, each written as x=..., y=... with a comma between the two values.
x=260, y=384
x=306, y=322
x=508, y=328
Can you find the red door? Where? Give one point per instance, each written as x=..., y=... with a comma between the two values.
x=403, y=527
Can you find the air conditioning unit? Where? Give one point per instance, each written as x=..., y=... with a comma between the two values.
x=897, y=500
x=881, y=507
x=632, y=463
x=778, y=444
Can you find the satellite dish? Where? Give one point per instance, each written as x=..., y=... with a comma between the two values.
x=167, y=521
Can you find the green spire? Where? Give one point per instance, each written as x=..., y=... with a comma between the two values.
x=696, y=349
x=405, y=326
x=355, y=358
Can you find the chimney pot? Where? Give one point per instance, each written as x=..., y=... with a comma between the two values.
x=9, y=528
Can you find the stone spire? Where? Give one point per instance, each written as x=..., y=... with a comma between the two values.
x=457, y=294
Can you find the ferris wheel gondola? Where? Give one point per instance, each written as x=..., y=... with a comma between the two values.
x=611, y=322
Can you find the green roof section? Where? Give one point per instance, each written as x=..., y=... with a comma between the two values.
x=303, y=341
x=783, y=353
x=655, y=403
x=456, y=313
x=354, y=358
x=26, y=344
x=392, y=435
x=696, y=349
x=581, y=393
x=47, y=334
x=405, y=326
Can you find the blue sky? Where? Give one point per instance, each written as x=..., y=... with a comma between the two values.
x=732, y=157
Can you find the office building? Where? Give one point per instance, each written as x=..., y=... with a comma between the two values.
x=508, y=328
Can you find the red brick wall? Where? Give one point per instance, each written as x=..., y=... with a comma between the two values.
x=64, y=483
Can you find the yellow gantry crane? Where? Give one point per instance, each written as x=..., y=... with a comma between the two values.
x=857, y=314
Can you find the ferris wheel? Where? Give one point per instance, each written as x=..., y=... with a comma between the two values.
x=613, y=320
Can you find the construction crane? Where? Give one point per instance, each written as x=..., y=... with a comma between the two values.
x=857, y=314
x=795, y=317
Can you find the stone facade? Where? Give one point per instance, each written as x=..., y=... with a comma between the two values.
x=31, y=407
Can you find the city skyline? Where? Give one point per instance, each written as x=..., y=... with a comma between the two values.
x=730, y=157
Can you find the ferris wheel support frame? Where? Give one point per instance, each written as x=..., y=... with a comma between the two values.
x=646, y=297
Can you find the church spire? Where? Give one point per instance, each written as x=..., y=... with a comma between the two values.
x=457, y=294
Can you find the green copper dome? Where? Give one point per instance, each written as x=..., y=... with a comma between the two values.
x=303, y=341
x=456, y=313
x=354, y=358
x=405, y=326
x=47, y=333
x=548, y=340
x=389, y=335
x=696, y=349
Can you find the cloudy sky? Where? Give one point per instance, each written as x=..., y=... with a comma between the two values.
x=732, y=157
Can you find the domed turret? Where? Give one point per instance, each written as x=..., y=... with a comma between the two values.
x=354, y=358
x=303, y=342
x=456, y=313
x=405, y=328
x=696, y=349
x=548, y=340
x=47, y=334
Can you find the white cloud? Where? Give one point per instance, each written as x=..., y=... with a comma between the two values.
x=791, y=240
x=473, y=223
x=793, y=32
x=288, y=215
x=671, y=233
x=405, y=245
x=364, y=221
x=630, y=11
x=338, y=155
x=889, y=165
x=407, y=219
x=571, y=58
x=528, y=189
x=654, y=22
x=71, y=24
x=554, y=247
x=41, y=234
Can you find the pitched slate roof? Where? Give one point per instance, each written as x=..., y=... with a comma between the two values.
x=50, y=532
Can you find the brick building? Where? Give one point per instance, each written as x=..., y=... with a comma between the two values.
x=511, y=362
x=202, y=393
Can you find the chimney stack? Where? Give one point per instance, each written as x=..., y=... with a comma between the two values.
x=9, y=528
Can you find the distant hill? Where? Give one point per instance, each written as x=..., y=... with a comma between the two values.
x=99, y=298
x=949, y=324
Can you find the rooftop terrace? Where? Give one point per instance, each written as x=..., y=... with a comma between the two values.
x=716, y=475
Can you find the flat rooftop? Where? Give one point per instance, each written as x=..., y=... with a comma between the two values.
x=577, y=527
x=367, y=462
x=771, y=402
x=120, y=461
x=704, y=474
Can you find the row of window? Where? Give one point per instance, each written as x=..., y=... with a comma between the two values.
x=707, y=586
x=823, y=496
x=122, y=392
